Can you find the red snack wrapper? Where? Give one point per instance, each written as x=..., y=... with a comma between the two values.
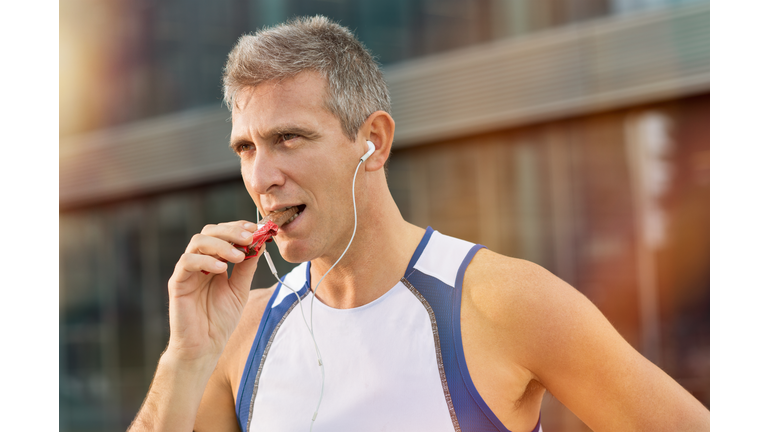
x=261, y=236
x=264, y=234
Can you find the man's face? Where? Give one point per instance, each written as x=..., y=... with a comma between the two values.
x=293, y=152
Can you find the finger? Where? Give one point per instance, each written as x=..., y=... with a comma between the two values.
x=240, y=232
x=244, y=224
x=190, y=264
x=215, y=247
x=242, y=273
x=240, y=223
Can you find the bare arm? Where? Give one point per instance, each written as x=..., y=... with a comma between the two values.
x=204, y=311
x=567, y=345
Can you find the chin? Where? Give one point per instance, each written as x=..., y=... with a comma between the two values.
x=292, y=252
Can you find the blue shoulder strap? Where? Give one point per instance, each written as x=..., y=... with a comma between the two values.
x=472, y=412
x=273, y=315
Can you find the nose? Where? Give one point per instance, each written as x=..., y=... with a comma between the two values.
x=262, y=172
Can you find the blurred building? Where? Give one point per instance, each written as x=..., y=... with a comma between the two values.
x=574, y=134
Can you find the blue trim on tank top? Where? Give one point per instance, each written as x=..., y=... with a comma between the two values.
x=419, y=250
x=242, y=418
x=247, y=380
x=245, y=390
x=459, y=346
x=463, y=412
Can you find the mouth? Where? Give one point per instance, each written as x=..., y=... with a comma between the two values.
x=300, y=208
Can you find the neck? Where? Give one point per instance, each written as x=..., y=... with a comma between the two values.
x=376, y=259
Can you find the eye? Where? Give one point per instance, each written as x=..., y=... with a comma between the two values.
x=244, y=147
x=287, y=137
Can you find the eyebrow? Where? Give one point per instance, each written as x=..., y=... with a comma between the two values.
x=279, y=130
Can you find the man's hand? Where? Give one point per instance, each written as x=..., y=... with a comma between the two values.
x=204, y=311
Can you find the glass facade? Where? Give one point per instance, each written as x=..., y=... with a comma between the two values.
x=115, y=262
x=124, y=61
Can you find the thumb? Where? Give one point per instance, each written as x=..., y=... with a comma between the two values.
x=242, y=273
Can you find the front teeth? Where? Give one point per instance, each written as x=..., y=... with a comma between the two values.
x=293, y=217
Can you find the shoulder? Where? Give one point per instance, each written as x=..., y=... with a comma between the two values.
x=532, y=307
x=515, y=312
x=501, y=291
x=537, y=320
x=515, y=283
x=494, y=279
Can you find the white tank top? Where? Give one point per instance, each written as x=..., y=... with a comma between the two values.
x=394, y=364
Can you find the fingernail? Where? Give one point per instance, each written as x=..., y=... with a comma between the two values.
x=248, y=225
x=246, y=234
x=221, y=265
x=236, y=252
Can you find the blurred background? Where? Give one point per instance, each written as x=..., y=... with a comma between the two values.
x=574, y=134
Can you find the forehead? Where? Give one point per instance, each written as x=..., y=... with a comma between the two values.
x=300, y=99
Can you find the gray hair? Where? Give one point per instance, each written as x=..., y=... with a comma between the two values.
x=356, y=86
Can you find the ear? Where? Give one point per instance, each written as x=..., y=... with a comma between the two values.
x=379, y=128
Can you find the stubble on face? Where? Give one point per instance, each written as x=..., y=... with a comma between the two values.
x=300, y=155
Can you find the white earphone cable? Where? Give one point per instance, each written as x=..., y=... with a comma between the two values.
x=310, y=325
x=354, y=230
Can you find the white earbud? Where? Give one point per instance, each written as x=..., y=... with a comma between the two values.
x=371, y=149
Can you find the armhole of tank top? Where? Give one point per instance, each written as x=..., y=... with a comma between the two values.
x=456, y=321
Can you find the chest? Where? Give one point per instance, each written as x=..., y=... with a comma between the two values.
x=380, y=367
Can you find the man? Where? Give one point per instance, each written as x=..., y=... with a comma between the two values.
x=411, y=329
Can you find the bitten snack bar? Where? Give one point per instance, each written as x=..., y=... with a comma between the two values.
x=267, y=229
